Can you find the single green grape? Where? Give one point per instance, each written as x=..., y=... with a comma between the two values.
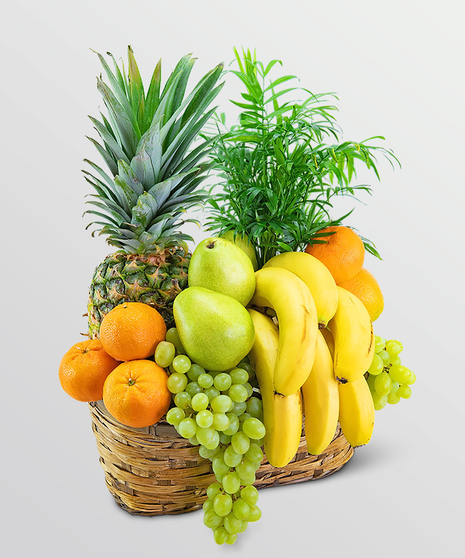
x=254, y=454
x=249, y=389
x=222, y=381
x=213, y=489
x=248, y=368
x=182, y=400
x=245, y=469
x=164, y=353
x=243, y=526
x=221, y=404
x=412, y=378
x=231, y=457
x=250, y=495
x=187, y=428
x=239, y=408
x=211, y=393
x=244, y=417
x=255, y=513
x=393, y=398
x=238, y=393
x=222, y=504
x=231, y=482
x=254, y=428
x=233, y=424
x=376, y=366
x=380, y=343
x=182, y=364
x=220, y=422
x=208, y=454
x=379, y=401
x=205, y=381
x=239, y=376
x=383, y=383
x=219, y=466
x=240, y=442
x=212, y=519
x=192, y=388
x=254, y=407
x=204, y=418
x=394, y=347
x=194, y=372
x=384, y=355
x=199, y=401
x=232, y=524
x=220, y=535
x=241, y=509
x=400, y=374
x=404, y=391
x=193, y=441
x=371, y=382
x=231, y=539
x=207, y=505
x=174, y=416
x=395, y=360
x=172, y=336
x=225, y=439
x=394, y=387
x=208, y=437
x=177, y=382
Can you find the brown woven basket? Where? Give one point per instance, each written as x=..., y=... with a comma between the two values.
x=153, y=471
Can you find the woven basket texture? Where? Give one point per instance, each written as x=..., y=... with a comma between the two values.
x=153, y=471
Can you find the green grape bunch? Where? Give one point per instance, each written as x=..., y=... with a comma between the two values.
x=389, y=381
x=219, y=413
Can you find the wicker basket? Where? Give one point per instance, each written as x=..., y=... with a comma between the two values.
x=153, y=471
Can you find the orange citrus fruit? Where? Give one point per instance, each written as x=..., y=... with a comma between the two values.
x=342, y=252
x=366, y=288
x=84, y=369
x=136, y=393
x=132, y=331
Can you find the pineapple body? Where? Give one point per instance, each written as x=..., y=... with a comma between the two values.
x=153, y=278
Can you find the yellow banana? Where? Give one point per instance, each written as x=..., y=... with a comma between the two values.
x=329, y=340
x=321, y=400
x=298, y=325
x=316, y=276
x=352, y=331
x=356, y=412
x=282, y=414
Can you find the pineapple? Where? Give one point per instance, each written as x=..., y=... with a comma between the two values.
x=154, y=152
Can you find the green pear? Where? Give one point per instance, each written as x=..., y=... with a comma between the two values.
x=244, y=244
x=221, y=266
x=216, y=331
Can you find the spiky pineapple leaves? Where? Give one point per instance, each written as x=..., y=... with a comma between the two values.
x=146, y=141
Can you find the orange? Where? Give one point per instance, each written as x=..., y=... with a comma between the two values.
x=84, y=369
x=342, y=252
x=132, y=331
x=366, y=288
x=136, y=393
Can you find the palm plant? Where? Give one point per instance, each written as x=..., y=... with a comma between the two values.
x=283, y=162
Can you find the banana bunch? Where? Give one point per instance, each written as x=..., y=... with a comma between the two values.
x=316, y=360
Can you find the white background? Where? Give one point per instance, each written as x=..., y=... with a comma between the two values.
x=398, y=70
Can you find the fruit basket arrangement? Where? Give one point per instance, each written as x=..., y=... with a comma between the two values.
x=252, y=361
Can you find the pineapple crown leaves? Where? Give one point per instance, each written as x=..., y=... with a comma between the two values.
x=152, y=145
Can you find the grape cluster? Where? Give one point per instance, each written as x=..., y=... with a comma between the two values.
x=388, y=379
x=218, y=412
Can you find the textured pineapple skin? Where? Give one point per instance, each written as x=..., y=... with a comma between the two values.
x=154, y=278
